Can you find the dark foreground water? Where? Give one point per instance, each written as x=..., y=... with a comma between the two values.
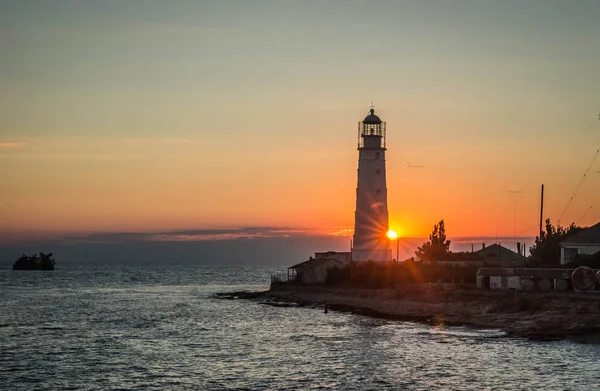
x=158, y=327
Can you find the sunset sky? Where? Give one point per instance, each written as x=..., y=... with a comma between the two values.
x=159, y=115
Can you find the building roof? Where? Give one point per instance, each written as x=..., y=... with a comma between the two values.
x=319, y=258
x=496, y=250
x=333, y=253
x=589, y=235
x=372, y=118
x=314, y=262
x=305, y=264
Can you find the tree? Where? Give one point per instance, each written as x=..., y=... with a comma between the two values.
x=437, y=247
x=546, y=250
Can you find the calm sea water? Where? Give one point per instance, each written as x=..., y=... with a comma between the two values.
x=145, y=327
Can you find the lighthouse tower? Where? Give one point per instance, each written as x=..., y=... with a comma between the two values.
x=371, y=217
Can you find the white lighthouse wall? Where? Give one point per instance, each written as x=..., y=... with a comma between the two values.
x=371, y=218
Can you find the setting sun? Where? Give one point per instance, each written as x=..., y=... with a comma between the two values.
x=392, y=234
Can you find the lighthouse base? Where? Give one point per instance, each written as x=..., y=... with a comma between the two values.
x=375, y=255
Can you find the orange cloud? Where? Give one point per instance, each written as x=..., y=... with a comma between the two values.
x=6, y=144
x=146, y=141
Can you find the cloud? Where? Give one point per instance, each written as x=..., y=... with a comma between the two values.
x=226, y=234
x=7, y=144
x=186, y=235
x=158, y=141
x=342, y=231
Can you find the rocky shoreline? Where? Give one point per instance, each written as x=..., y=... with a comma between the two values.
x=536, y=316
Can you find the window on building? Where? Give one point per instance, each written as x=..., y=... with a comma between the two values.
x=377, y=171
x=570, y=254
x=376, y=155
x=378, y=191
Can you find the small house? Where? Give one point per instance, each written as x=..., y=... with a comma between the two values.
x=314, y=271
x=497, y=255
x=585, y=242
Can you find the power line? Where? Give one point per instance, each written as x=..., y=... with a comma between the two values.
x=585, y=214
x=528, y=229
x=578, y=186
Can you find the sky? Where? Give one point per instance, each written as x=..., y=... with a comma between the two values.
x=145, y=116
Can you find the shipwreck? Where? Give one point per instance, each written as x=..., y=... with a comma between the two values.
x=39, y=261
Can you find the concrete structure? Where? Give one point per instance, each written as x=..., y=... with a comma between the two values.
x=524, y=279
x=582, y=243
x=314, y=271
x=371, y=217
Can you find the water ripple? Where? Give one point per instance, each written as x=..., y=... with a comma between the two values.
x=145, y=329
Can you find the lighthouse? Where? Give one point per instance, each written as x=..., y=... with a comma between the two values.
x=370, y=242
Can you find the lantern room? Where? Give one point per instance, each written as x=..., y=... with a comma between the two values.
x=371, y=132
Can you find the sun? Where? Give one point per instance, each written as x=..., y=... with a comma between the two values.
x=392, y=234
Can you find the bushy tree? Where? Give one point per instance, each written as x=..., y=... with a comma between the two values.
x=437, y=248
x=546, y=250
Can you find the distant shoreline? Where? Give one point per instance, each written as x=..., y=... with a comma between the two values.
x=536, y=316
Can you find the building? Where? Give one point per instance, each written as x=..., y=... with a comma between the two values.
x=314, y=271
x=371, y=217
x=498, y=255
x=585, y=242
x=495, y=255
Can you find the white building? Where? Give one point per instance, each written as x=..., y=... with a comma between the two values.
x=370, y=241
x=582, y=243
x=314, y=271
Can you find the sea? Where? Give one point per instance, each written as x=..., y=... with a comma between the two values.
x=159, y=326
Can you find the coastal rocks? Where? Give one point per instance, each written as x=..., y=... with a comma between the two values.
x=280, y=304
x=239, y=295
x=582, y=328
x=536, y=316
x=594, y=308
x=514, y=303
x=545, y=327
